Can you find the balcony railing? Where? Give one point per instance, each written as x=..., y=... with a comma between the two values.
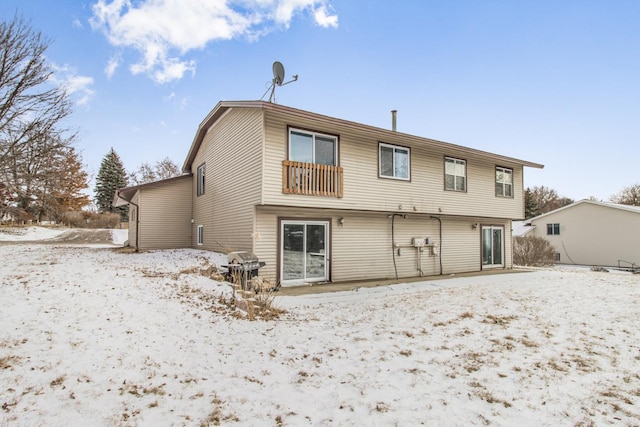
x=311, y=179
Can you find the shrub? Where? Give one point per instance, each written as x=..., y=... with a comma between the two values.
x=533, y=251
x=85, y=219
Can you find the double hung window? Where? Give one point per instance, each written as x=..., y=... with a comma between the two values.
x=504, y=182
x=455, y=174
x=553, y=229
x=394, y=162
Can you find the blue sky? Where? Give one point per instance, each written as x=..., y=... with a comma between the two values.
x=553, y=82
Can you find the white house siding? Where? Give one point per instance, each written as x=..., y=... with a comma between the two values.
x=165, y=215
x=593, y=234
x=364, y=190
x=232, y=150
x=361, y=248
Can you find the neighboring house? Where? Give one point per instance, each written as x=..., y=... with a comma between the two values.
x=591, y=233
x=321, y=199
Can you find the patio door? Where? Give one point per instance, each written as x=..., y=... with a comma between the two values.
x=304, y=252
x=492, y=246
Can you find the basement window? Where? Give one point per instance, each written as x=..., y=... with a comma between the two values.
x=200, y=240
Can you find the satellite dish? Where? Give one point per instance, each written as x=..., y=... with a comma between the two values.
x=278, y=79
x=278, y=73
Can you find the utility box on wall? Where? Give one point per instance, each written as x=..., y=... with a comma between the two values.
x=419, y=242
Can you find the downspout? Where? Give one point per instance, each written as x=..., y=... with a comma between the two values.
x=393, y=240
x=440, y=241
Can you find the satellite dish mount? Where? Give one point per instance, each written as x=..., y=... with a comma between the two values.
x=278, y=79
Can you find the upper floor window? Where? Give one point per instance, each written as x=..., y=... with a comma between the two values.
x=504, y=182
x=395, y=162
x=553, y=229
x=455, y=174
x=200, y=178
x=312, y=147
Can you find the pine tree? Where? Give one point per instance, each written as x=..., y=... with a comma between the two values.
x=111, y=177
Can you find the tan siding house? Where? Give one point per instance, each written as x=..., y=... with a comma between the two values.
x=320, y=199
x=592, y=233
x=159, y=213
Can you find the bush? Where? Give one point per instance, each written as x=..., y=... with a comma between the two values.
x=84, y=219
x=533, y=251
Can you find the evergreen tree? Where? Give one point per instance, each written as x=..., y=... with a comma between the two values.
x=111, y=177
x=530, y=205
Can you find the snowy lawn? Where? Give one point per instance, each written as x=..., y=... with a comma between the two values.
x=101, y=337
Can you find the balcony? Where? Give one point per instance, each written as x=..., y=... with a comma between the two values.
x=311, y=179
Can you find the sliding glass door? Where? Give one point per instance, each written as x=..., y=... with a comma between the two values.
x=304, y=252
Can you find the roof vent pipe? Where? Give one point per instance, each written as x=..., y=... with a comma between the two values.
x=394, y=115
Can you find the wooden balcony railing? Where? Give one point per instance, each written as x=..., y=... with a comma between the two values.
x=311, y=179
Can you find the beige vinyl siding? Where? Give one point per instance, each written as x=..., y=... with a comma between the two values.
x=133, y=229
x=361, y=248
x=232, y=151
x=164, y=215
x=592, y=234
x=358, y=155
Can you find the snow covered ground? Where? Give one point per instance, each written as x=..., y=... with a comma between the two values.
x=101, y=337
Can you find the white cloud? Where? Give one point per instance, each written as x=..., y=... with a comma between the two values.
x=77, y=87
x=77, y=24
x=112, y=65
x=324, y=19
x=164, y=31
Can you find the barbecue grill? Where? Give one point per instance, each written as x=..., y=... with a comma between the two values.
x=242, y=265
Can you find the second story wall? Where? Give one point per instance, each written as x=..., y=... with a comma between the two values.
x=358, y=155
x=231, y=153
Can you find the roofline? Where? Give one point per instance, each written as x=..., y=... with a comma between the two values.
x=223, y=106
x=123, y=196
x=635, y=209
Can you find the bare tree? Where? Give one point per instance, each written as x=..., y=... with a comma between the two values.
x=146, y=173
x=628, y=196
x=31, y=113
x=544, y=199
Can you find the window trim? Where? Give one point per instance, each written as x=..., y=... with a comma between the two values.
x=313, y=134
x=455, y=159
x=495, y=179
x=394, y=147
x=200, y=235
x=201, y=173
x=553, y=229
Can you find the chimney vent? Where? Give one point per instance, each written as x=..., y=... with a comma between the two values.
x=394, y=115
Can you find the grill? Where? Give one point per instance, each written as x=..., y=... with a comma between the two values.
x=242, y=265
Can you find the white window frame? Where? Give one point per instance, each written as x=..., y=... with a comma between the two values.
x=455, y=161
x=554, y=228
x=200, y=235
x=394, y=148
x=326, y=254
x=313, y=135
x=505, y=172
x=200, y=179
